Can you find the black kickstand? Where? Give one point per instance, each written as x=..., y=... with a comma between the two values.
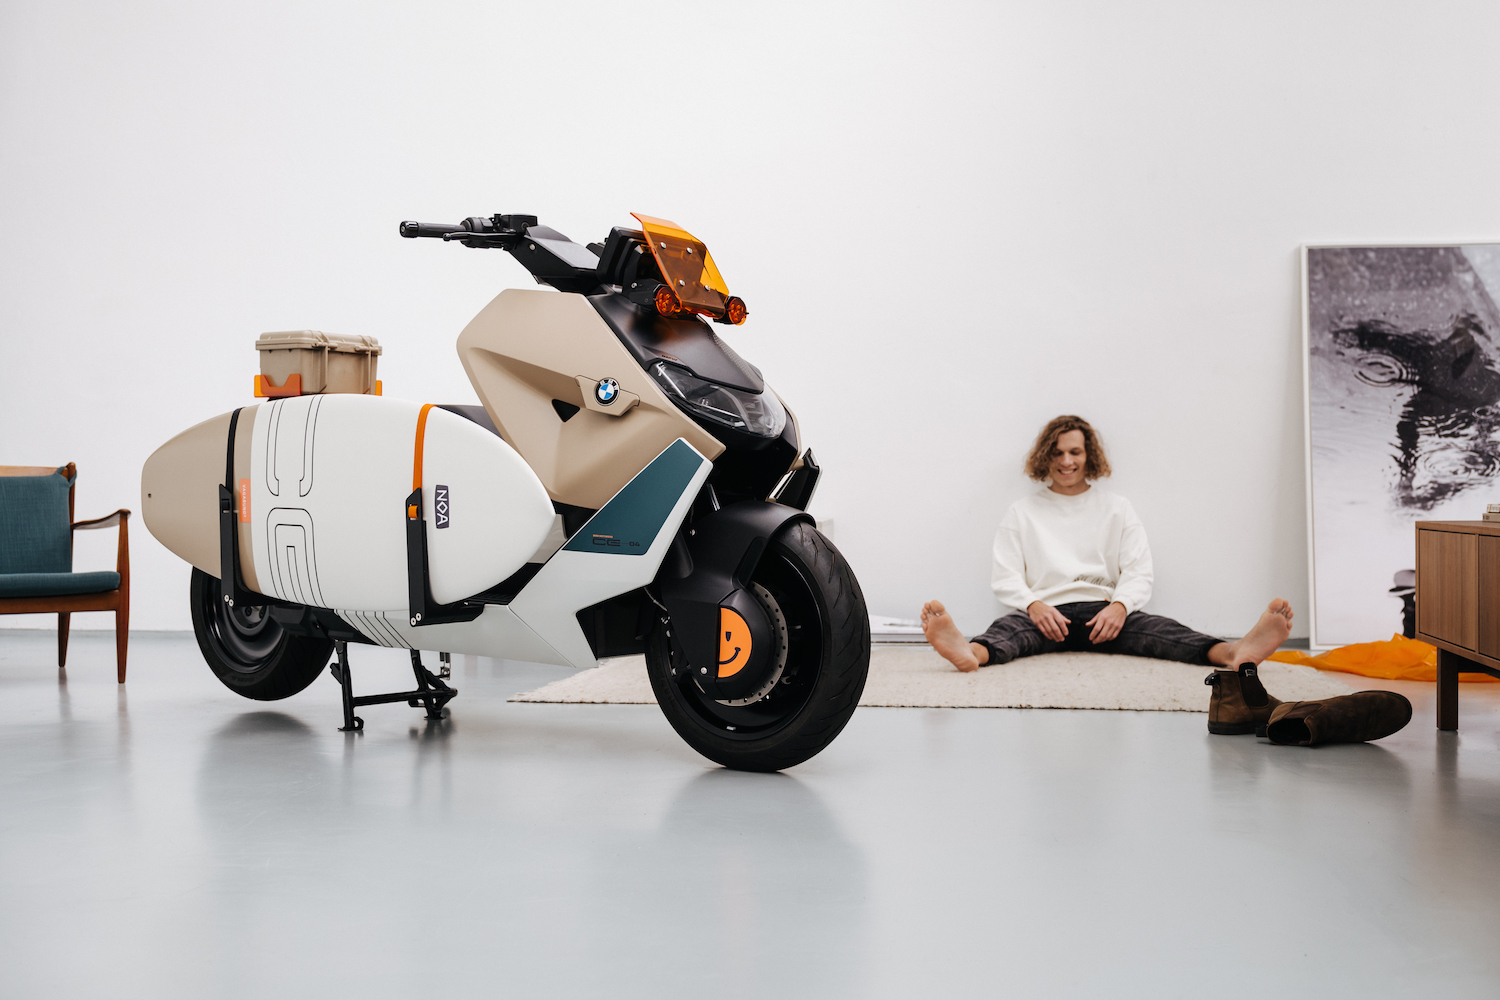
x=431, y=692
x=435, y=694
x=340, y=670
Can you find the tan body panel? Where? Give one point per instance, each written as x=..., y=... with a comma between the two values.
x=180, y=492
x=527, y=348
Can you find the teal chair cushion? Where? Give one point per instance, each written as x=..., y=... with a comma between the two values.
x=55, y=584
x=35, y=536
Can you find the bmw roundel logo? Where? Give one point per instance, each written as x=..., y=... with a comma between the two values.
x=607, y=391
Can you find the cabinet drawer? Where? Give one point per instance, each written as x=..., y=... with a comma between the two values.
x=1448, y=586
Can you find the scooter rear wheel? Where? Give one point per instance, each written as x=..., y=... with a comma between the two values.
x=828, y=658
x=248, y=651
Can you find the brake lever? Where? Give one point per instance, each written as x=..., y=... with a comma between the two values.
x=501, y=240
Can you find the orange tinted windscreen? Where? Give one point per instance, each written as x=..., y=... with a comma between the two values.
x=686, y=265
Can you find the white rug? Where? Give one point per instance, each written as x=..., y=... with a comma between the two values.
x=916, y=677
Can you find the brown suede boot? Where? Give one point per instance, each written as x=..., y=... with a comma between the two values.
x=1350, y=718
x=1240, y=704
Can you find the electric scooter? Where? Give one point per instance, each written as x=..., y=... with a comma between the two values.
x=629, y=485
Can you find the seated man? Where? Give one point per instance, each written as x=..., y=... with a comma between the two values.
x=1073, y=560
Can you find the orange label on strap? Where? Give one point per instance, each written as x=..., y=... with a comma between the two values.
x=734, y=642
x=245, y=501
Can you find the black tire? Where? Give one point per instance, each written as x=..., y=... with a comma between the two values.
x=248, y=651
x=828, y=658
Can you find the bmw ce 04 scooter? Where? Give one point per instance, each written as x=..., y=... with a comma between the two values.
x=630, y=485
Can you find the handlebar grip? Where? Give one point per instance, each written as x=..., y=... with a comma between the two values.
x=432, y=230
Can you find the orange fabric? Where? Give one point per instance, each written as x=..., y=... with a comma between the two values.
x=416, y=464
x=1400, y=659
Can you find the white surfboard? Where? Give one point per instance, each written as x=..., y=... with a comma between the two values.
x=329, y=477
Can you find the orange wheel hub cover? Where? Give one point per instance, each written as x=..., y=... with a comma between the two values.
x=734, y=642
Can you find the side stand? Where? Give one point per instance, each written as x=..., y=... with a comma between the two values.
x=431, y=692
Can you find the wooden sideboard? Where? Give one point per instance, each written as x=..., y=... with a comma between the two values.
x=1458, y=603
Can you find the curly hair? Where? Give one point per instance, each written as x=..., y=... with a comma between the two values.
x=1039, y=462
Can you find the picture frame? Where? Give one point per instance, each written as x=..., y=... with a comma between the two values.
x=1401, y=394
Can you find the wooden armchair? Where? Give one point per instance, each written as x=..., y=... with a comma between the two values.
x=36, y=555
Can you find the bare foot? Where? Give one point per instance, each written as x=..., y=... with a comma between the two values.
x=1267, y=635
x=943, y=634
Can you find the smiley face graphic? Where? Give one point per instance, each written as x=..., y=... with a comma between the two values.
x=734, y=642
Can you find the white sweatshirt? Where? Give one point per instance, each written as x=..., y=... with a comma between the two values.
x=1060, y=549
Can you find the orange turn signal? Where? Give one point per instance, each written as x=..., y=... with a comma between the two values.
x=735, y=311
x=667, y=302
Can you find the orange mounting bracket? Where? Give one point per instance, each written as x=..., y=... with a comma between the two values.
x=265, y=390
x=293, y=387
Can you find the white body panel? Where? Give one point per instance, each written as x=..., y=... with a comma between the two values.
x=541, y=623
x=497, y=632
x=329, y=478
x=572, y=581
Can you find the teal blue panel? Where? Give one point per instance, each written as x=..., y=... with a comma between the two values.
x=56, y=584
x=35, y=536
x=629, y=523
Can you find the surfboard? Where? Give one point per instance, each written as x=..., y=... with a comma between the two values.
x=321, y=495
x=329, y=477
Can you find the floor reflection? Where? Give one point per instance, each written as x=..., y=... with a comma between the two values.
x=64, y=699
x=749, y=877
x=259, y=771
x=1366, y=824
x=433, y=739
x=1331, y=793
x=1457, y=831
x=210, y=846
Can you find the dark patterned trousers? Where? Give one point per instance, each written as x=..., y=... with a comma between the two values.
x=1016, y=635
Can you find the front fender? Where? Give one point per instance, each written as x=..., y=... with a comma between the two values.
x=721, y=553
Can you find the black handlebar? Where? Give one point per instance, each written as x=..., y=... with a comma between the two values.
x=523, y=239
x=431, y=230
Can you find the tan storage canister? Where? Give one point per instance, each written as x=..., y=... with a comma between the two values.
x=305, y=362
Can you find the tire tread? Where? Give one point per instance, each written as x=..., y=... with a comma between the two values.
x=292, y=666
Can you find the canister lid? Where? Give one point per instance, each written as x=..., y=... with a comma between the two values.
x=352, y=343
x=315, y=340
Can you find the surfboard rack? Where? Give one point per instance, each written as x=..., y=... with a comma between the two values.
x=229, y=556
x=431, y=692
x=230, y=584
x=425, y=610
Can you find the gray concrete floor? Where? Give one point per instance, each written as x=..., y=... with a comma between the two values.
x=168, y=839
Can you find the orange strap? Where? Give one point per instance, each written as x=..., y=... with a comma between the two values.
x=416, y=465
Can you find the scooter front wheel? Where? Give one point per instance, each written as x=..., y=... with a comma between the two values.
x=805, y=581
x=248, y=651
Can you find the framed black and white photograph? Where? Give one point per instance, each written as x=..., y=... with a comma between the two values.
x=1403, y=419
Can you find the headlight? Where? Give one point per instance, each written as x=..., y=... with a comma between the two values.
x=760, y=414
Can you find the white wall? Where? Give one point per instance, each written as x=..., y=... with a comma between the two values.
x=951, y=222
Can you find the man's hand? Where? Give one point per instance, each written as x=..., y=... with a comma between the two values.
x=1052, y=622
x=1107, y=623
